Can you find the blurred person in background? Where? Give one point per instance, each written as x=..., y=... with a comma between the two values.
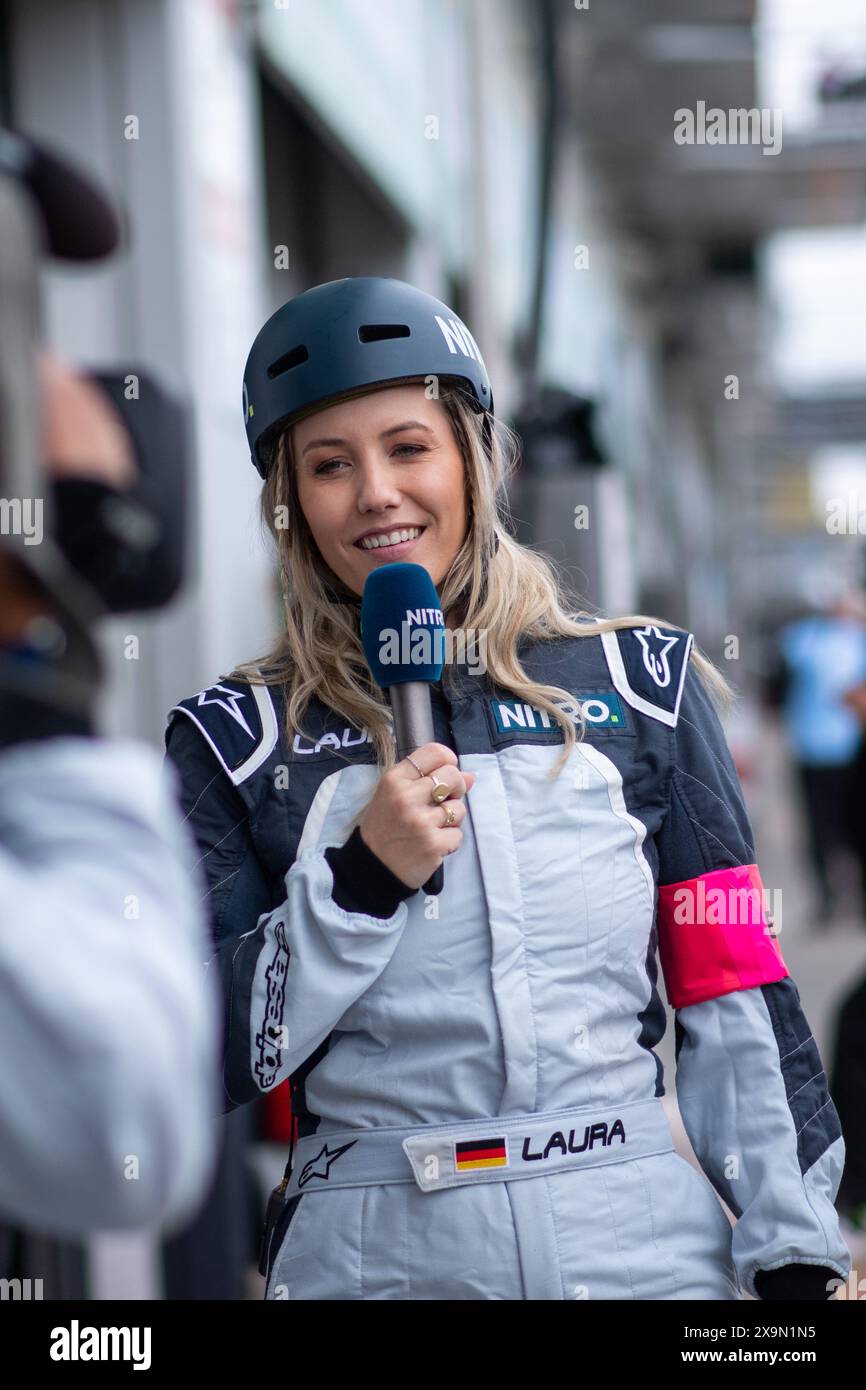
x=854, y=699
x=848, y=1086
x=849, y=1043
x=476, y=1098
x=819, y=658
x=108, y=1029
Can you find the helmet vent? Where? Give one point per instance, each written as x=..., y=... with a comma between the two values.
x=376, y=332
x=287, y=361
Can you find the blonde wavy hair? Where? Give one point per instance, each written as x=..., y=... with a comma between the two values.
x=517, y=593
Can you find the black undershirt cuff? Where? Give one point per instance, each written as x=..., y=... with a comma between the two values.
x=795, y=1281
x=362, y=883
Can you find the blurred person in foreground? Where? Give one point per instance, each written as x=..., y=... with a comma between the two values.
x=476, y=1099
x=819, y=658
x=108, y=1032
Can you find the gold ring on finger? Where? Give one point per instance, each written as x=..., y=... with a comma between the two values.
x=450, y=818
x=441, y=791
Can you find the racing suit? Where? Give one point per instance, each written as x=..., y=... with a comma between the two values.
x=476, y=1098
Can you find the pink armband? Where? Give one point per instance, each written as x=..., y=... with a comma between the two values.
x=714, y=936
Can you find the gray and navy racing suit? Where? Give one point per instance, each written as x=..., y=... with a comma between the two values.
x=475, y=1091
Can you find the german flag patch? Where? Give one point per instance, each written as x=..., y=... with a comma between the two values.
x=473, y=1154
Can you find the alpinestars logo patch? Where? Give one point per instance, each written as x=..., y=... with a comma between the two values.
x=656, y=646
x=229, y=704
x=320, y=1166
x=270, y=1036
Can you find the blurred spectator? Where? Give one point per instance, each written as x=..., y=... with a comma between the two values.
x=821, y=657
x=855, y=699
x=848, y=1088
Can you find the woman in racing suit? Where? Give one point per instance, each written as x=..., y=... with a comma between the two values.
x=476, y=1099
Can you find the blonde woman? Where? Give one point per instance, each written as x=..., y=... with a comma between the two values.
x=475, y=1096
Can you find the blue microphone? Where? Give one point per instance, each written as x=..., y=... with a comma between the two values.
x=403, y=635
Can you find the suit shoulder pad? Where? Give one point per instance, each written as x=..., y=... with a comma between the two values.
x=648, y=666
x=238, y=720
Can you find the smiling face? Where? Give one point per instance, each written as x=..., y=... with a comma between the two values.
x=383, y=463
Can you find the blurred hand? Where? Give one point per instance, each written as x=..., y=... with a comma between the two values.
x=83, y=435
x=21, y=599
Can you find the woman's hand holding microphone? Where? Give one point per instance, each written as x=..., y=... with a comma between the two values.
x=404, y=826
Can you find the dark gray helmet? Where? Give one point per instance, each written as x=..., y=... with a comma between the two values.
x=345, y=335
